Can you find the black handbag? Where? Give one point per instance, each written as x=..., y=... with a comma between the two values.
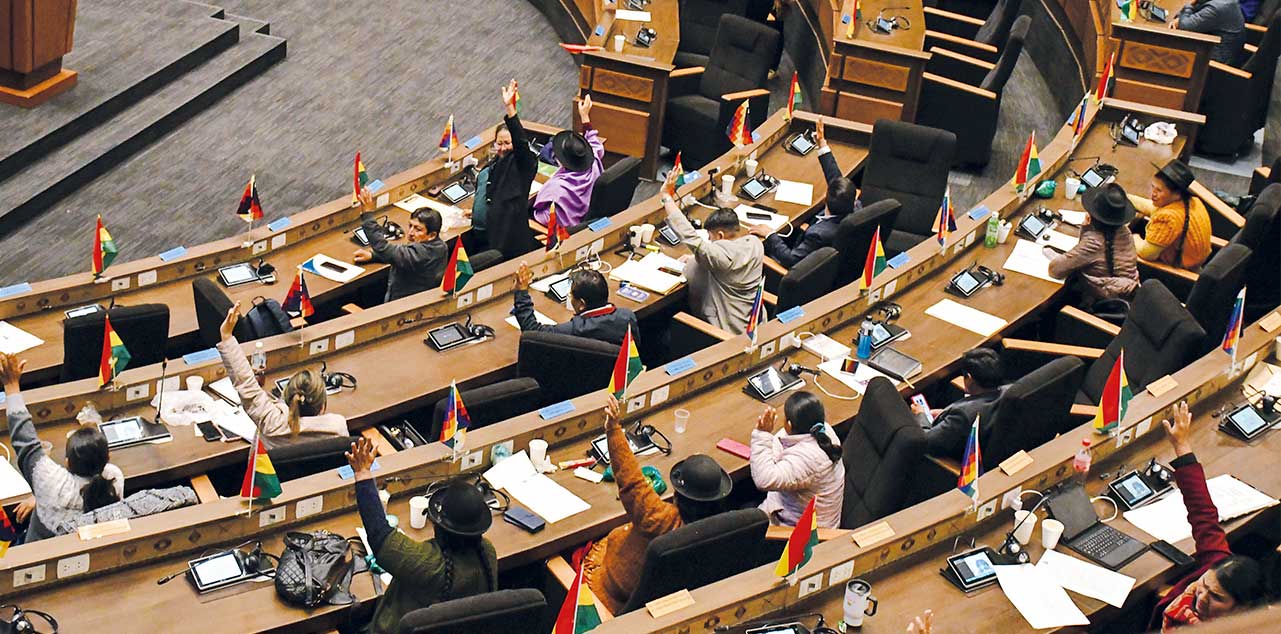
x=21, y=624
x=267, y=318
x=316, y=568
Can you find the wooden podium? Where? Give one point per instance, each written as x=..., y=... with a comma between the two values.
x=34, y=36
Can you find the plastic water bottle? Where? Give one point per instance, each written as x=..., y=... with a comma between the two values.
x=258, y=361
x=993, y=229
x=1081, y=463
x=864, y=340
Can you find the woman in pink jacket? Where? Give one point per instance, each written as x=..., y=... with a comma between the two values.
x=803, y=463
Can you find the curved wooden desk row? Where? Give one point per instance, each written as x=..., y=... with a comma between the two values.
x=713, y=383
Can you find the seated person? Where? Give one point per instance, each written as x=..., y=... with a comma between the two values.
x=1215, y=17
x=842, y=200
x=500, y=209
x=984, y=377
x=802, y=464
x=1104, y=259
x=299, y=412
x=727, y=265
x=612, y=567
x=458, y=562
x=415, y=267
x=570, y=188
x=1222, y=583
x=594, y=317
x=1178, y=231
x=87, y=482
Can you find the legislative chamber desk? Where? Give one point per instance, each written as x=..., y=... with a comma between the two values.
x=1157, y=65
x=711, y=392
x=873, y=75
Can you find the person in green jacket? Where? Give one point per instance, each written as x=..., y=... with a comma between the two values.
x=458, y=562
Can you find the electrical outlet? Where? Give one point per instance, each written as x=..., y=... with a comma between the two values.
x=485, y=292
x=768, y=348
x=464, y=300
x=344, y=339
x=1011, y=498
x=790, y=340
x=840, y=573
x=987, y=510
x=597, y=246
x=810, y=585
x=890, y=287
x=659, y=395
x=259, y=247
x=688, y=201
x=383, y=200
x=581, y=253
x=147, y=277
x=34, y=574
x=135, y=392
x=120, y=283
x=267, y=517
x=635, y=403
x=958, y=248
x=76, y=565
x=509, y=445
x=309, y=506
x=278, y=241
x=1124, y=438
x=318, y=346
x=874, y=296
x=1143, y=426
x=473, y=460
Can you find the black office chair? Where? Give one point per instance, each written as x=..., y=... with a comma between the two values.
x=970, y=109
x=499, y=612
x=960, y=32
x=1262, y=235
x=564, y=366
x=309, y=456
x=701, y=105
x=908, y=163
x=613, y=191
x=1211, y=298
x=854, y=236
x=490, y=404
x=144, y=329
x=811, y=278
x=883, y=452
x=1235, y=101
x=1031, y=411
x=699, y=20
x=212, y=305
x=485, y=259
x=706, y=551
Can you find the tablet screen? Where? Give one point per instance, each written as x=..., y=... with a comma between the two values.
x=1092, y=178
x=768, y=382
x=880, y=334
x=802, y=144
x=1247, y=420
x=973, y=568
x=237, y=274
x=966, y=283
x=753, y=189
x=118, y=431
x=448, y=335
x=455, y=192
x=83, y=310
x=1033, y=225
x=217, y=569
x=360, y=235
x=561, y=288
x=1132, y=489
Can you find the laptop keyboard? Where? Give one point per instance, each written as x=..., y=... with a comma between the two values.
x=1101, y=542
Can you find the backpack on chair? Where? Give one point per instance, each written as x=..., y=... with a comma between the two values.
x=267, y=318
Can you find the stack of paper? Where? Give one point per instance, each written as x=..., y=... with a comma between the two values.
x=1027, y=258
x=795, y=193
x=856, y=381
x=228, y=416
x=14, y=340
x=545, y=284
x=1038, y=598
x=645, y=273
x=1083, y=577
x=542, y=319
x=414, y=202
x=973, y=320
x=1076, y=218
x=1167, y=518
x=775, y=221
x=331, y=269
x=517, y=475
x=635, y=16
x=12, y=484
x=1060, y=241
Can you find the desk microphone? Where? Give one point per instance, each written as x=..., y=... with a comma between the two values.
x=167, y=578
x=160, y=398
x=1011, y=546
x=797, y=369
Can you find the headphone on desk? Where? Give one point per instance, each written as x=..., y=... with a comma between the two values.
x=336, y=380
x=477, y=330
x=496, y=499
x=20, y=624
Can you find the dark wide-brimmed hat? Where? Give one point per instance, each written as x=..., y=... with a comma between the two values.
x=1108, y=205
x=701, y=479
x=460, y=509
x=572, y=151
x=1178, y=173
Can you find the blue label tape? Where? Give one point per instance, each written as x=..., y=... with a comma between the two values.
x=980, y=212
x=790, y=314
x=559, y=409
x=173, y=253
x=346, y=472
x=755, y=136
x=200, y=356
x=845, y=19
x=1, y=398
x=679, y=365
x=472, y=143
x=898, y=261
x=599, y=224
x=16, y=289
x=280, y=223
x=374, y=185
x=600, y=29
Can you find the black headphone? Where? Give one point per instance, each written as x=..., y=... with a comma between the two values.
x=336, y=380
x=477, y=330
x=889, y=310
x=996, y=278
x=393, y=230
x=20, y=624
x=264, y=269
x=495, y=499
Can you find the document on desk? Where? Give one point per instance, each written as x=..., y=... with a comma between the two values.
x=14, y=340
x=227, y=412
x=12, y=484
x=1060, y=241
x=635, y=16
x=1038, y=598
x=775, y=222
x=331, y=269
x=414, y=201
x=539, y=493
x=1083, y=577
x=1027, y=258
x=542, y=319
x=1167, y=518
x=646, y=276
x=960, y=315
x=795, y=193
x=857, y=380
x=545, y=284
x=1076, y=218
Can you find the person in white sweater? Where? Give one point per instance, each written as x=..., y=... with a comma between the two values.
x=803, y=463
x=61, y=493
x=300, y=410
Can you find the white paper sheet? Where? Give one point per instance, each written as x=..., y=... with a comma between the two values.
x=1038, y=598
x=542, y=319
x=635, y=16
x=12, y=484
x=14, y=340
x=1083, y=577
x=231, y=417
x=550, y=501
x=963, y=316
x=795, y=193
x=414, y=201
x=1167, y=518
x=775, y=221
x=1027, y=258
x=1060, y=241
x=513, y=468
x=657, y=260
x=345, y=272
x=545, y=284
x=1071, y=217
x=646, y=277
x=856, y=381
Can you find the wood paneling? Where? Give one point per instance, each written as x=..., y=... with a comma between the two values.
x=1157, y=59
x=623, y=127
x=1144, y=92
x=584, y=76
x=866, y=109
x=622, y=85
x=879, y=74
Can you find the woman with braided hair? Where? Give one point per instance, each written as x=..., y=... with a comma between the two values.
x=802, y=463
x=1103, y=260
x=458, y=562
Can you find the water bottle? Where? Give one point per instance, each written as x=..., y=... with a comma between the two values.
x=865, y=340
x=1081, y=463
x=258, y=361
x=993, y=229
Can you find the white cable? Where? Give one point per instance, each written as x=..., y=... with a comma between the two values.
x=1115, y=509
x=824, y=390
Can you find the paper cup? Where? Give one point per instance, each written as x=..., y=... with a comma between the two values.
x=1003, y=233
x=619, y=40
x=418, y=511
x=682, y=420
x=1051, y=531
x=727, y=185
x=537, y=452
x=1024, y=532
x=647, y=233
x=1070, y=187
x=749, y=167
x=194, y=383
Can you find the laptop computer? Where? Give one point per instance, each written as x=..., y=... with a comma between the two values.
x=1085, y=534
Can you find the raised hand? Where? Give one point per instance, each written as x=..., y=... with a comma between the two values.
x=767, y=420
x=366, y=200
x=229, y=323
x=612, y=416
x=585, y=109
x=820, y=134
x=509, y=98
x=523, y=276
x=11, y=368
x=361, y=456
x=1180, y=431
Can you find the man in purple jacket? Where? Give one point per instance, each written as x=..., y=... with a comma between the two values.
x=570, y=188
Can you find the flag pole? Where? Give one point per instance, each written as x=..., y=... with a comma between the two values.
x=253, y=458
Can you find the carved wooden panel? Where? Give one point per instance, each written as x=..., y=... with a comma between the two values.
x=585, y=77
x=1157, y=59
x=1151, y=94
x=624, y=129
x=866, y=109
x=879, y=74
x=622, y=85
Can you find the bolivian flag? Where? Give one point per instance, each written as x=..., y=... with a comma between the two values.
x=875, y=262
x=578, y=613
x=8, y=534
x=1101, y=90
x=359, y=180
x=556, y=231
x=971, y=465
x=679, y=171
x=755, y=317
x=1115, y=400
x=626, y=368
x=298, y=301
x=739, y=130
x=453, y=431
x=1130, y=10
x=114, y=354
x=945, y=223
x=1233, y=335
x=261, y=482
x=104, y=248
x=250, y=207
x=793, y=95
x=1029, y=165
x=516, y=103
x=449, y=140
x=800, y=546
x=458, y=271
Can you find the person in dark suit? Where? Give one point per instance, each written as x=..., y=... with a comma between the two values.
x=594, y=317
x=503, y=221
x=416, y=266
x=983, y=373
x=842, y=200
x=1215, y=17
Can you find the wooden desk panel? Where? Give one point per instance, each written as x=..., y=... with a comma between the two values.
x=875, y=75
x=1160, y=66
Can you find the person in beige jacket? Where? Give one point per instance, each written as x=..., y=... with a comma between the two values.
x=300, y=412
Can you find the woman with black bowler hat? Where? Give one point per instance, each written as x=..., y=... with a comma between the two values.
x=570, y=188
x=458, y=562
x=1104, y=259
x=1178, y=227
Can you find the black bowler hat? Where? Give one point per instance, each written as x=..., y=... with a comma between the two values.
x=572, y=151
x=1108, y=205
x=460, y=509
x=699, y=478
x=1178, y=173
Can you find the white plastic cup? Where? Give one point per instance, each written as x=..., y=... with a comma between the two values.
x=682, y=420
x=1070, y=187
x=1024, y=531
x=635, y=236
x=538, y=452
x=619, y=40
x=647, y=233
x=1003, y=232
x=194, y=383
x=727, y=185
x=384, y=497
x=418, y=511
x=749, y=167
x=1051, y=531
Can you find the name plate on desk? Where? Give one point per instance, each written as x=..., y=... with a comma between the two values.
x=1268, y=324
x=980, y=212
x=173, y=253
x=103, y=529
x=678, y=600
x=791, y=314
x=678, y=366
x=200, y=356
x=899, y=261
x=281, y=223
x=559, y=409
x=1162, y=385
x=874, y=534
x=346, y=473
x=25, y=287
x=599, y=224
x=1016, y=463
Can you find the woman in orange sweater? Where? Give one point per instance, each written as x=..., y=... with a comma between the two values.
x=1178, y=231
x=613, y=565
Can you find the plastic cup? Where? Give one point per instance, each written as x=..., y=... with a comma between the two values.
x=682, y=419
x=1003, y=233
x=749, y=167
x=194, y=383
x=418, y=511
x=1051, y=531
x=1070, y=187
x=619, y=40
x=1024, y=532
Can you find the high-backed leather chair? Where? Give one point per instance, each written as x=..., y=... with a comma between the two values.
x=212, y=305
x=144, y=329
x=909, y=163
x=970, y=110
x=613, y=191
x=969, y=36
x=564, y=366
x=491, y=403
x=810, y=279
x=1211, y=298
x=854, y=236
x=499, y=612
x=699, y=20
x=485, y=259
x=702, y=102
x=694, y=555
x=1235, y=100
x=882, y=451
x=1262, y=235
x=301, y=458
x=1031, y=411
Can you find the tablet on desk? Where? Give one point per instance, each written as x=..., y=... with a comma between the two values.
x=753, y=189
x=448, y=336
x=1131, y=490
x=973, y=569
x=559, y=290
x=966, y=283
x=237, y=274
x=126, y=432
x=456, y=192
x=217, y=571
x=769, y=383
x=1246, y=422
x=82, y=311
